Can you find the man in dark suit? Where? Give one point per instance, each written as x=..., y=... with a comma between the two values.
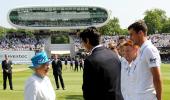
x=7, y=72
x=76, y=63
x=101, y=74
x=57, y=71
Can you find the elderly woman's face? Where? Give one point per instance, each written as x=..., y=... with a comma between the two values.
x=130, y=53
x=43, y=69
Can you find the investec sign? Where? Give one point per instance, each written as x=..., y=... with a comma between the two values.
x=18, y=57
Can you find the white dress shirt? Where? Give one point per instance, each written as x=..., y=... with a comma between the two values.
x=128, y=78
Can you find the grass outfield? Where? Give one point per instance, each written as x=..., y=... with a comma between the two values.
x=73, y=82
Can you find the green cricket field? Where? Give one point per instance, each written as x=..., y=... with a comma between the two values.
x=73, y=83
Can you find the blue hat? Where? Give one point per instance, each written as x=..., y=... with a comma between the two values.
x=39, y=59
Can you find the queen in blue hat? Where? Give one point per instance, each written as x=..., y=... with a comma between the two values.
x=39, y=59
x=38, y=86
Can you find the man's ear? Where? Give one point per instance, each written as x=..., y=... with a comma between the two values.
x=87, y=41
x=141, y=33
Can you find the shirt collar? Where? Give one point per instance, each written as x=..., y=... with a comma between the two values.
x=39, y=76
x=95, y=48
x=135, y=61
x=125, y=63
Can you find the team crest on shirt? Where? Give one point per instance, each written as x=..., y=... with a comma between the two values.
x=152, y=60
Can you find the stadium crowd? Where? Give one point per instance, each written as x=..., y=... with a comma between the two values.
x=25, y=43
x=21, y=43
x=159, y=40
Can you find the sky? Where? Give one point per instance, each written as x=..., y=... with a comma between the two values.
x=127, y=11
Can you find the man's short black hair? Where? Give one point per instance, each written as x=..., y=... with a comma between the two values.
x=92, y=34
x=122, y=37
x=139, y=26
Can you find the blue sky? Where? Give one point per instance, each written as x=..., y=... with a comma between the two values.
x=127, y=11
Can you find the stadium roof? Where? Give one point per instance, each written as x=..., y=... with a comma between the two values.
x=64, y=17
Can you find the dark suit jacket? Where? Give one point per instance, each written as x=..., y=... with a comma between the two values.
x=57, y=66
x=101, y=76
x=6, y=67
x=76, y=63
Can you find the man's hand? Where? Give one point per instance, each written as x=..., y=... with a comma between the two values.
x=6, y=70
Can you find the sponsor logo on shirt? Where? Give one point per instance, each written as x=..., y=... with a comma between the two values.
x=152, y=60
